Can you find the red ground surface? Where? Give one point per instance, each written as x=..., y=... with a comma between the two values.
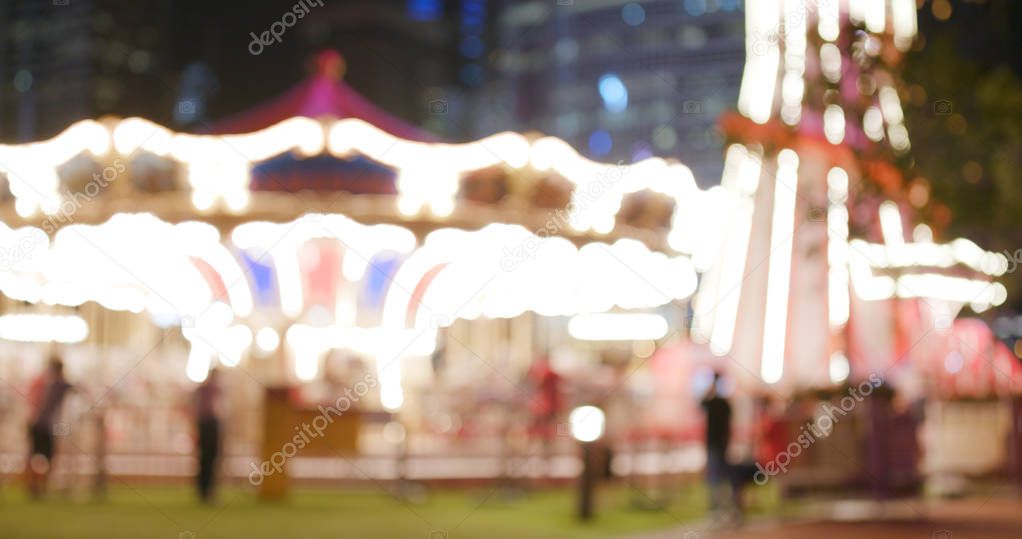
x=972, y=519
x=968, y=519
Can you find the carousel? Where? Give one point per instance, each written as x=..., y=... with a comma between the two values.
x=316, y=244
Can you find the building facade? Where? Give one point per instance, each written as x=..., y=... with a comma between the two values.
x=61, y=61
x=623, y=80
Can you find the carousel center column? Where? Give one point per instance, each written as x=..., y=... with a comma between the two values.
x=278, y=415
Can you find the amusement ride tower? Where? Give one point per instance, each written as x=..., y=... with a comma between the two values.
x=815, y=279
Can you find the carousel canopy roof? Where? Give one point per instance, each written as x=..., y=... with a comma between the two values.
x=277, y=162
x=135, y=165
x=324, y=94
x=518, y=223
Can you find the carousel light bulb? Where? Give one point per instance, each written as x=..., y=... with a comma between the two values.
x=197, y=368
x=511, y=148
x=899, y=137
x=603, y=224
x=442, y=207
x=306, y=364
x=51, y=205
x=954, y=362
x=202, y=200
x=43, y=328
x=99, y=141
x=547, y=151
x=618, y=327
x=890, y=223
x=25, y=208
x=830, y=60
x=873, y=124
x=237, y=200
x=354, y=267
x=229, y=360
x=129, y=135
x=839, y=368
x=587, y=423
x=267, y=339
x=875, y=12
x=311, y=139
x=834, y=124
x=408, y=206
x=998, y=294
x=837, y=185
x=922, y=234
x=392, y=396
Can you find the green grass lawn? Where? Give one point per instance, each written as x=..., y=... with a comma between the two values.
x=172, y=512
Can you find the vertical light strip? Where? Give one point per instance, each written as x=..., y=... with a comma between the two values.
x=903, y=19
x=829, y=19
x=744, y=185
x=762, y=59
x=837, y=247
x=890, y=224
x=306, y=363
x=392, y=395
x=834, y=124
x=199, y=360
x=793, y=84
x=890, y=106
x=873, y=124
x=830, y=62
x=857, y=10
x=775, y=320
x=704, y=305
x=289, y=277
x=876, y=15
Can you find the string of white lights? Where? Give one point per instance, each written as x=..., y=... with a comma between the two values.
x=218, y=167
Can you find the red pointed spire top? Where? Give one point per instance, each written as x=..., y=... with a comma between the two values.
x=330, y=64
x=322, y=94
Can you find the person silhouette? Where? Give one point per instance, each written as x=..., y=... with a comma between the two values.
x=207, y=418
x=718, y=437
x=47, y=397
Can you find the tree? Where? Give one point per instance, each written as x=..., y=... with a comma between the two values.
x=964, y=114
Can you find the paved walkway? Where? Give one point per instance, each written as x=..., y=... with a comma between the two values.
x=966, y=519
